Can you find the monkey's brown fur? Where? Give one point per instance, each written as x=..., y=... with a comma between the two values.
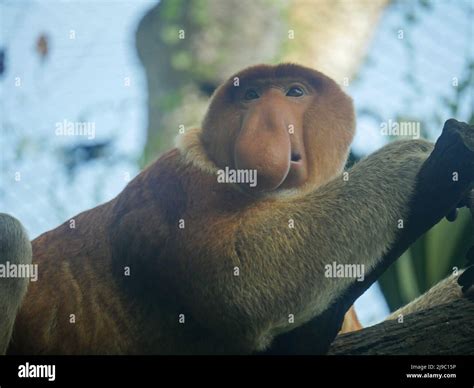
x=190, y=272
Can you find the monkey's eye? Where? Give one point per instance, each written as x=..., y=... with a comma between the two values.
x=295, y=91
x=251, y=94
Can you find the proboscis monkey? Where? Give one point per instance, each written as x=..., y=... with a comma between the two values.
x=222, y=243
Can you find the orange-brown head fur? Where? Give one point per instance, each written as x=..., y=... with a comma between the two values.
x=291, y=140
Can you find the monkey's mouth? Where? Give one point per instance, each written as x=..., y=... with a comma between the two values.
x=297, y=173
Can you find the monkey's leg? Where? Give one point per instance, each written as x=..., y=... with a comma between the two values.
x=15, y=249
x=445, y=291
x=453, y=287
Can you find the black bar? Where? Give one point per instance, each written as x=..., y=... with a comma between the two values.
x=317, y=371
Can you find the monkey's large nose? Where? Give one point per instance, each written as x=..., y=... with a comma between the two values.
x=269, y=156
x=263, y=144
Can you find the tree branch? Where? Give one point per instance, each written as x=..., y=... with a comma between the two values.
x=446, y=329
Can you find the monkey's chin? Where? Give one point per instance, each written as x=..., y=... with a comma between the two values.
x=297, y=176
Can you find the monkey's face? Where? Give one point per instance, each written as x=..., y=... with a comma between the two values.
x=291, y=124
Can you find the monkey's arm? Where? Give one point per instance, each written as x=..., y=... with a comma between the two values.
x=435, y=195
x=346, y=222
x=282, y=248
x=15, y=249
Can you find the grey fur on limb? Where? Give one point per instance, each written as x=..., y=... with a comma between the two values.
x=436, y=195
x=15, y=247
x=446, y=329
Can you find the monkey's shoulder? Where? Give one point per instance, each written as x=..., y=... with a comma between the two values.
x=177, y=188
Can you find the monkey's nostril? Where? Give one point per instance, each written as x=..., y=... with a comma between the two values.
x=295, y=157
